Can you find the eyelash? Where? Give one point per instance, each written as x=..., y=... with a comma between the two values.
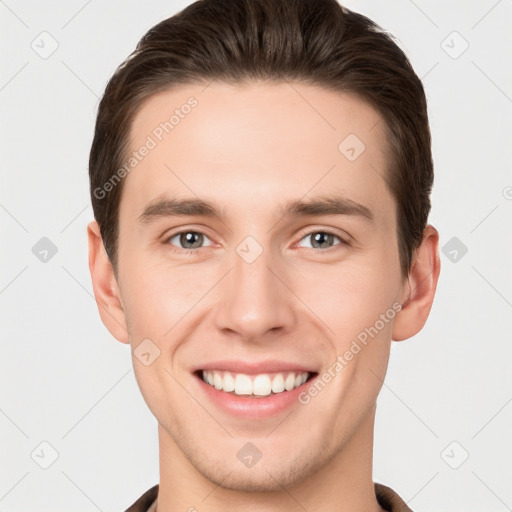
x=308, y=234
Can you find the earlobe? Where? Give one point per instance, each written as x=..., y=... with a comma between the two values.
x=420, y=289
x=105, y=286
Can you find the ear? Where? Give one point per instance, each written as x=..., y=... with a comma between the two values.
x=106, y=290
x=420, y=288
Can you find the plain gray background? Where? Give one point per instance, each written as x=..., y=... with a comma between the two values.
x=443, y=427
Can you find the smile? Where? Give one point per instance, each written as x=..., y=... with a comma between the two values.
x=253, y=390
x=263, y=384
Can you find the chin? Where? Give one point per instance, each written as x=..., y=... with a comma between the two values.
x=254, y=480
x=269, y=474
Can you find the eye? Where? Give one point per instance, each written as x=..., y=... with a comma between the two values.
x=189, y=240
x=192, y=240
x=322, y=239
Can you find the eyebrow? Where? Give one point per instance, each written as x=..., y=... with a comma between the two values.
x=325, y=205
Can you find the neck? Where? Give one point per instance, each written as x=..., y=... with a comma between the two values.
x=343, y=484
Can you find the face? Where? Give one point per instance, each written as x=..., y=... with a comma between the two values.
x=258, y=248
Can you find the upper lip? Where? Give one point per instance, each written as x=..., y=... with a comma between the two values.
x=254, y=367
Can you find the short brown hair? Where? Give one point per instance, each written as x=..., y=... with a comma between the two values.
x=313, y=41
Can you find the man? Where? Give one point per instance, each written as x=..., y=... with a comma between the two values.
x=260, y=177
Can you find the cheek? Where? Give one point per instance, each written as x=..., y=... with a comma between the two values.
x=158, y=295
x=349, y=297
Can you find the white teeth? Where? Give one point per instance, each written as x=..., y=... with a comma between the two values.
x=217, y=380
x=262, y=386
x=289, y=383
x=229, y=382
x=258, y=385
x=278, y=383
x=243, y=385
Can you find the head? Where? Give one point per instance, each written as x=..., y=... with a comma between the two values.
x=256, y=126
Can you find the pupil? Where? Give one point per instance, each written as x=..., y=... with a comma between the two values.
x=189, y=238
x=321, y=238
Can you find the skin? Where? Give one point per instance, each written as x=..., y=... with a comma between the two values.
x=250, y=148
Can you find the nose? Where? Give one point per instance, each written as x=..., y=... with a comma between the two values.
x=255, y=299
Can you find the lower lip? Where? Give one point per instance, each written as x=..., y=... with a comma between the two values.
x=250, y=407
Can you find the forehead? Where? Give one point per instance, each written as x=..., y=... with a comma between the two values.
x=250, y=145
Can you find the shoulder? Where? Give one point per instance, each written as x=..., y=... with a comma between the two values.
x=389, y=500
x=145, y=501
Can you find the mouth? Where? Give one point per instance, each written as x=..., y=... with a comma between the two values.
x=254, y=386
x=251, y=391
